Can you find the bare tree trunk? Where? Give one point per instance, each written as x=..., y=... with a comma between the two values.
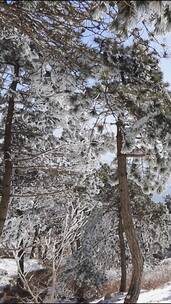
x=127, y=221
x=6, y=182
x=33, y=249
x=20, y=282
x=122, y=255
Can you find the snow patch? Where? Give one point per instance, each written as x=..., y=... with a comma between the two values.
x=9, y=266
x=159, y=295
x=58, y=132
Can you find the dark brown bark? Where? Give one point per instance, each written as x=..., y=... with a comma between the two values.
x=127, y=221
x=20, y=282
x=6, y=182
x=122, y=255
x=33, y=249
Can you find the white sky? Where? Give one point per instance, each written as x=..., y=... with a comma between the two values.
x=165, y=63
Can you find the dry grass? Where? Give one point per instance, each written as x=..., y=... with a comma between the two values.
x=157, y=277
x=39, y=281
x=153, y=279
x=110, y=287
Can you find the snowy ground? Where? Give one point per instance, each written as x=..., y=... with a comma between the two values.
x=9, y=269
x=159, y=295
x=10, y=266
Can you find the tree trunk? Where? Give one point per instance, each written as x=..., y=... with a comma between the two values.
x=33, y=249
x=123, y=255
x=6, y=182
x=127, y=221
x=20, y=282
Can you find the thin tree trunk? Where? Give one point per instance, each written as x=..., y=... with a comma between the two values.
x=6, y=182
x=127, y=221
x=33, y=249
x=20, y=282
x=122, y=255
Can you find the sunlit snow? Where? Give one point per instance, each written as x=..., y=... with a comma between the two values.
x=159, y=295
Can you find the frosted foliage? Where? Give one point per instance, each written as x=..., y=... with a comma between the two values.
x=19, y=50
x=130, y=84
x=151, y=221
x=101, y=240
x=29, y=6
x=99, y=243
x=64, y=204
x=155, y=15
x=30, y=215
x=51, y=198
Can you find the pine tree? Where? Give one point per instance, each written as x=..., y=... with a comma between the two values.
x=131, y=88
x=128, y=86
x=54, y=28
x=46, y=163
x=125, y=14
